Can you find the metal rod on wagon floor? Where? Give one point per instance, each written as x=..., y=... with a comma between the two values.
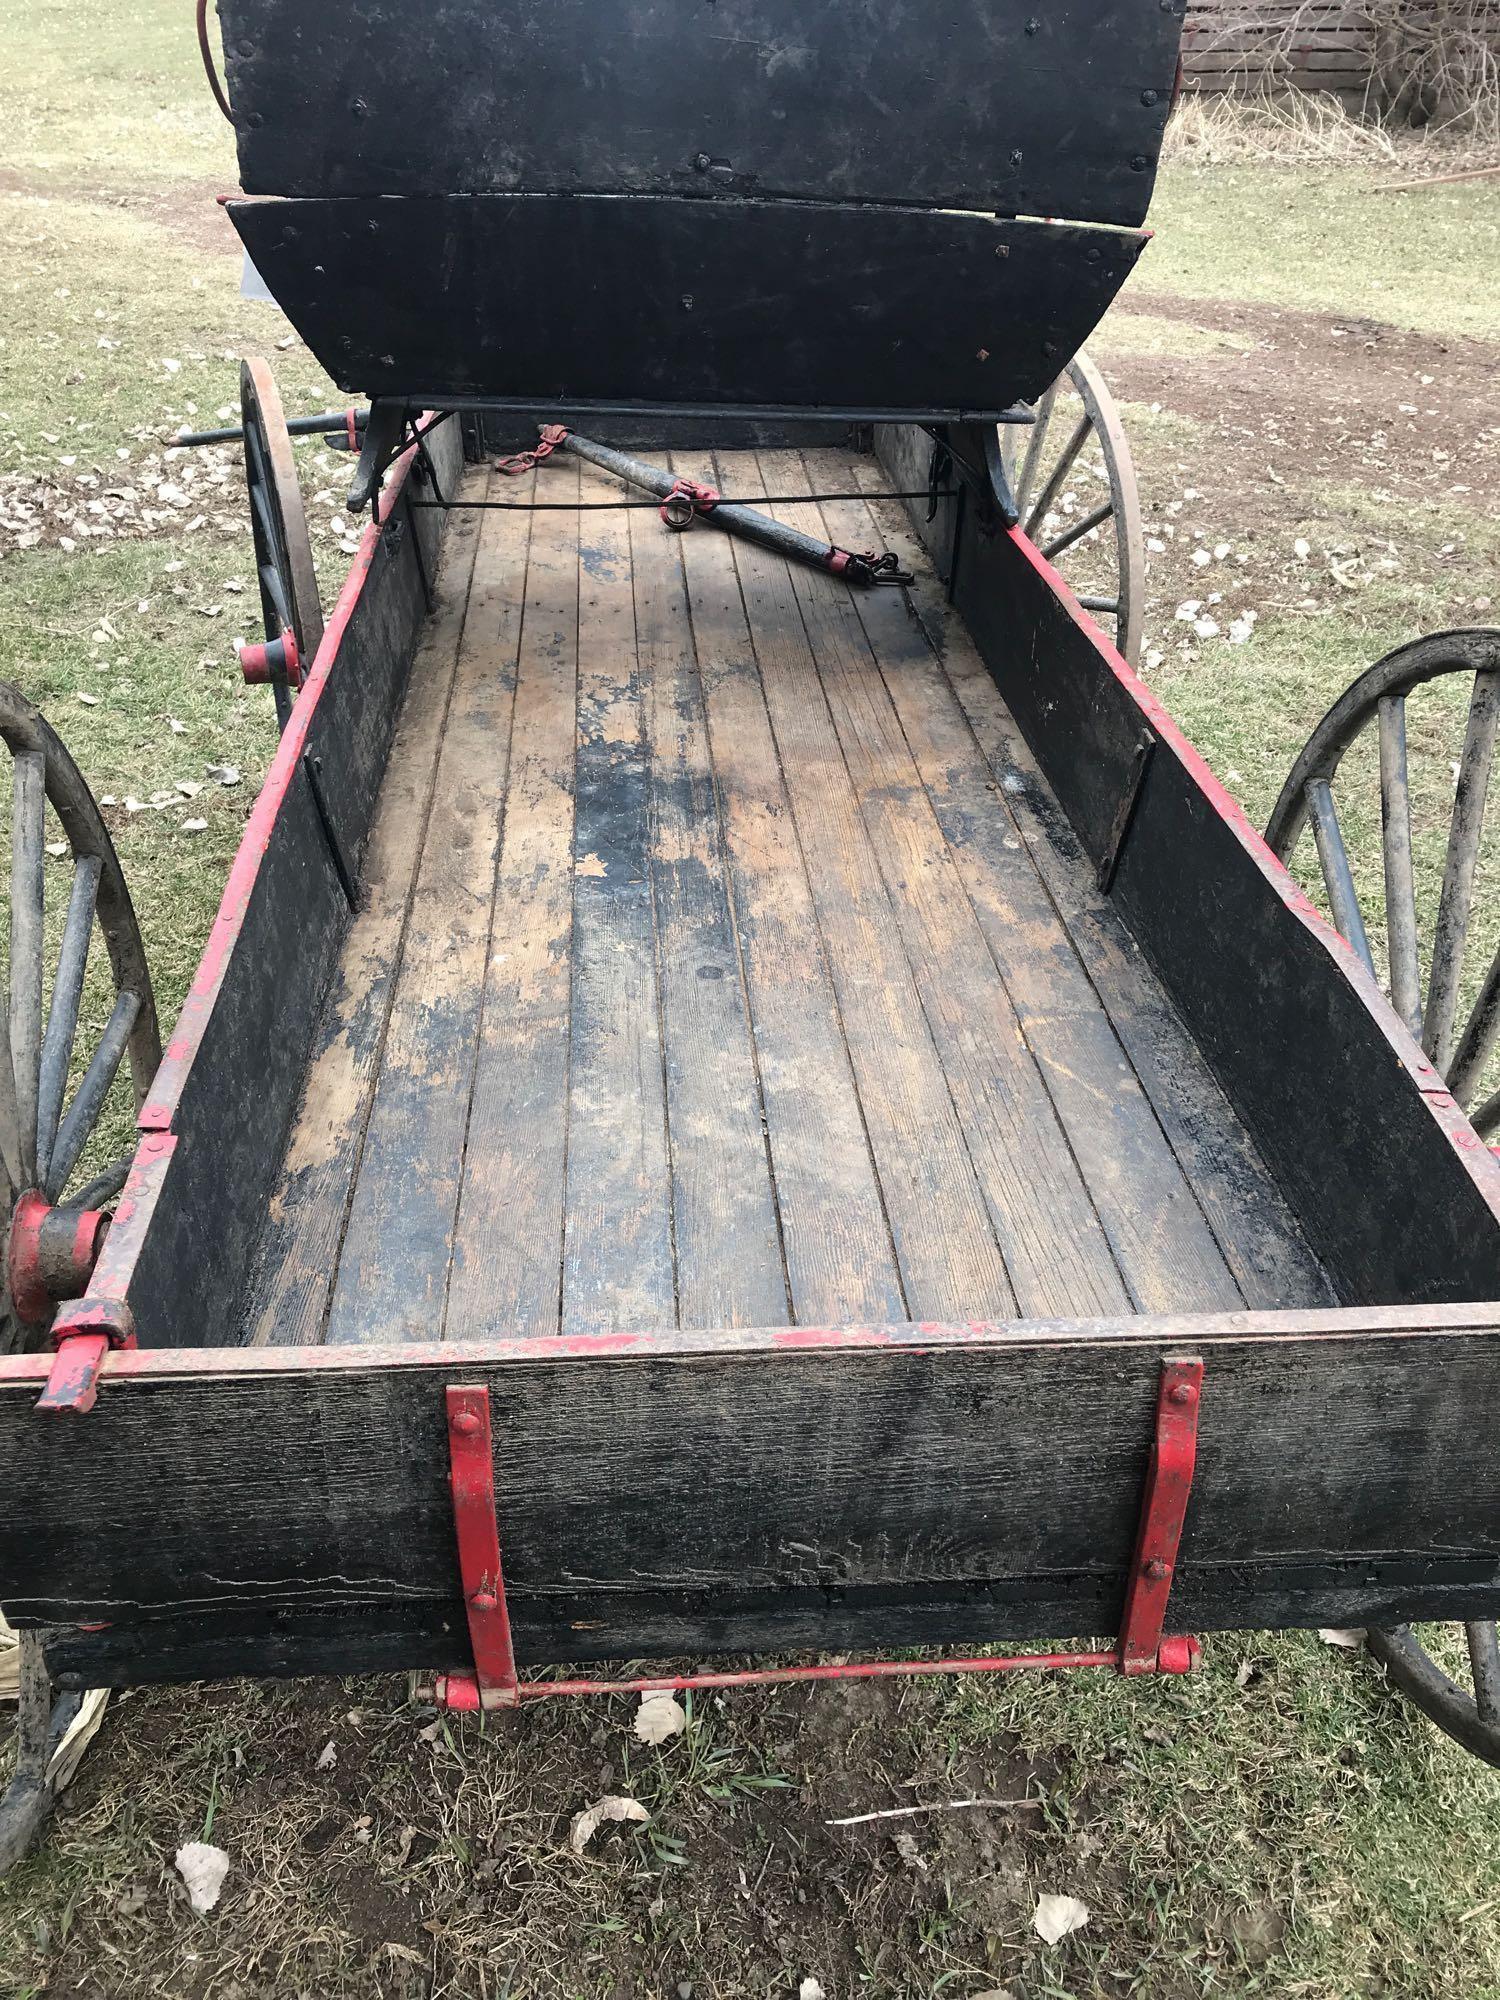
x=684, y=501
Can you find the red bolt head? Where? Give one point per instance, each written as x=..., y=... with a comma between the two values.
x=465, y=1424
x=1182, y=1392
x=484, y=1600
x=1156, y=1569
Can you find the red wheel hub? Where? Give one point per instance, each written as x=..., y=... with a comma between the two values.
x=276, y=660
x=52, y=1254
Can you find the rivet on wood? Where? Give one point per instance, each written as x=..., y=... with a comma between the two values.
x=466, y=1423
x=1183, y=1392
x=1156, y=1569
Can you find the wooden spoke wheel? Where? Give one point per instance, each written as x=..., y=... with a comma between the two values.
x=1408, y=749
x=43, y=1134
x=54, y=1227
x=1074, y=483
x=289, y=600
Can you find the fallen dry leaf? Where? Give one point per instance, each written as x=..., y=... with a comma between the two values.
x=612, y=1807
x=659, y=1717
x=810, y=1989
x=328, y=1756
x=1055, y=1916
x=203, y=1868
x=1350, y=1638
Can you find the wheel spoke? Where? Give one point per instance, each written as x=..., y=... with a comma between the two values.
x=1484, y=1658
x=1477, y=1042
x=83, y=1112
x=27, y=898
x=102, y=1188
x=10, y=1125
x=1035, y=445
x=1465, y=829
x=273, y=587
x=1059, y=473
x=1110, y=605
x=67, y=992
x=1078, y=530
x=1338, y=877
x=1400, y=880
x=1487, y=1117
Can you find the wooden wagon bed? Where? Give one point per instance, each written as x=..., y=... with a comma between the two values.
x=725, y=961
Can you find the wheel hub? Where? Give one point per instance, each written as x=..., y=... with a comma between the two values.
x=51, y=1254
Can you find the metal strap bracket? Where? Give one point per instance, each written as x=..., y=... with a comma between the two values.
x=1142, y=1648
x=83, y=1332
x=471, y=1477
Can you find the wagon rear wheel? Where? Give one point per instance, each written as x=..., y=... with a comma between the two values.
x=55, y=1201
x=1074, y=483
x=1409, y=749
x=290, y=605
x=45, y=1131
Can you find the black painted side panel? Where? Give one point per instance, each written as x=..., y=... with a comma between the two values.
x=243, y=1084
x=571, y=300
x=1329, y=1085
x=731, y=1494
x=999, y=104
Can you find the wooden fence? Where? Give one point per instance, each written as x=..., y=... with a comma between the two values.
x=1251, y=45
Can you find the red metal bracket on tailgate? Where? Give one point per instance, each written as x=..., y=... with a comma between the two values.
x=471, y=1475
x=1143, y=1650
x=1142, y=1647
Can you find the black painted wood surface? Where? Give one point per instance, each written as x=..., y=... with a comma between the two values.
x=1395, y=1194
x=236, y=1101
x=998, y=104
x=693, y=1493
x=573, y=299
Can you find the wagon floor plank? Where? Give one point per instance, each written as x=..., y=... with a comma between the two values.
x=726, y=962
x=393, y=1271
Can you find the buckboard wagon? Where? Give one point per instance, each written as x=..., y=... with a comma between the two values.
x=727, y=1109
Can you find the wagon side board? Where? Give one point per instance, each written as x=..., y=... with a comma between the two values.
x=282, y=1512
x=1393, y=1189
x=233, y=1069
x=1002, y=104
x=585, y=299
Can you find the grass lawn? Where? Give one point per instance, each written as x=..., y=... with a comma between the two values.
x=1308, y=369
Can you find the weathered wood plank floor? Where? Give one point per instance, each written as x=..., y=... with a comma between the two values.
x=724, y=961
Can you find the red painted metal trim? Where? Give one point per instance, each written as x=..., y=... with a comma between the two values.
x=73, y=1383
x=83, y=1333
x=1329, y=1327
x=133, y=1213
x=460, y=1692
x=471, y=1477
x=1141, y=1649
x=1169, y=1484
x=1405, y=1049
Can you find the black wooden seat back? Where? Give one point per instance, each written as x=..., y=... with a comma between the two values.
x=695, y=161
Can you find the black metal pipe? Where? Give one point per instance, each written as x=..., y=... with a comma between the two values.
x=327, y=420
